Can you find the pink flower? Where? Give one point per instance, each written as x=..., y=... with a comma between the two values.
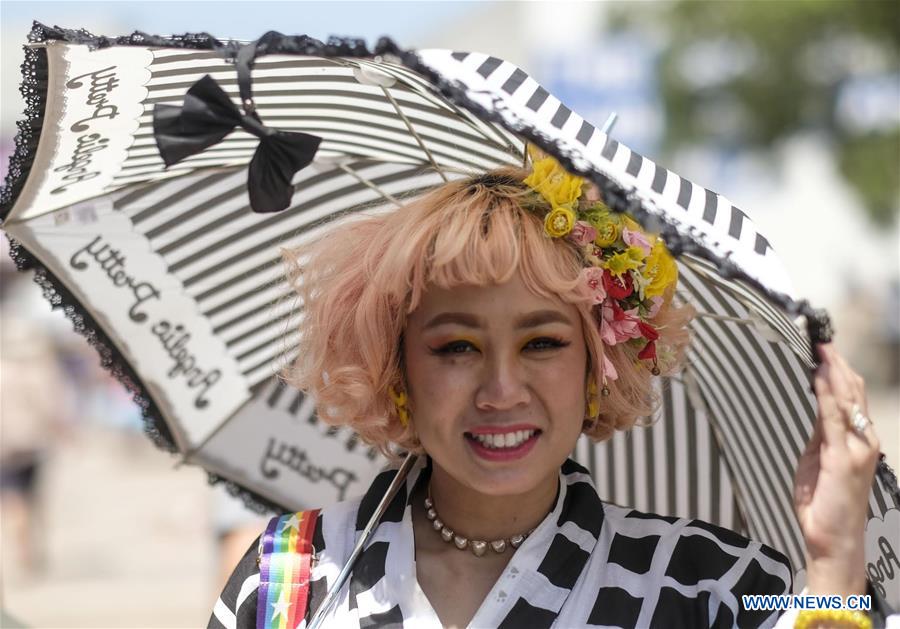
x=636, y=239
x=590, y=284
x=582, y=233
x=655, y=304
x=609, y=370
x=617, y=325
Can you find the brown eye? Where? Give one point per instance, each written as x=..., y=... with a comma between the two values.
x=545, y=343
x=455, y=347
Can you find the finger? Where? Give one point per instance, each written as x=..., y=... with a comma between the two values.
x=843, y=381
x=849, y=381
x=854, y=381
x=864, y=442
x=842, y=390
x=815, y=439
x=830, y=415
x=867, y=437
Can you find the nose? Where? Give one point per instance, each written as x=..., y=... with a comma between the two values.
x=504, y=385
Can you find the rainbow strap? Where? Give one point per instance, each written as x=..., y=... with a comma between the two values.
x=284, y=570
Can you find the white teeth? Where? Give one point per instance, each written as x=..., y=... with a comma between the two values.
x=505, y=440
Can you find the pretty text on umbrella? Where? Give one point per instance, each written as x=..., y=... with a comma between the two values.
x=77, y=169
x=173, y=337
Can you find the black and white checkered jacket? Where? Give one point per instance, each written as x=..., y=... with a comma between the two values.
x=588, y=564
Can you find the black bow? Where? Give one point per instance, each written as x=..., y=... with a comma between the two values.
x=208, y=115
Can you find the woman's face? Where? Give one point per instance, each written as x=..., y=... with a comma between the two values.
x=496, y=378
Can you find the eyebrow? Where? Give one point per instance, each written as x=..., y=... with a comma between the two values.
x=528, y=320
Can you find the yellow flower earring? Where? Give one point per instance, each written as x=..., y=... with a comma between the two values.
x=400, y=401
x=592, y=401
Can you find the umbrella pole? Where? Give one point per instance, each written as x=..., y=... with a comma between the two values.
x=319, y=617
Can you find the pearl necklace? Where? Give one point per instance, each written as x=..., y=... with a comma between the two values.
x=478, y=547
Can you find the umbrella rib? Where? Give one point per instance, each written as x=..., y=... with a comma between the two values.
x=692, y=389
x=409, y=126
x=413, y=131
x=417, y=89
x=188, y=455
x=718, y=317
x=786, y=329
x=370, y=184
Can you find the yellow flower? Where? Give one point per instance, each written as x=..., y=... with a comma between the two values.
x=559, y=222
x=557, y=186
x=632, y=224
x=660, y=269
x=608, y=227
x=635, y=253
x=619, y=263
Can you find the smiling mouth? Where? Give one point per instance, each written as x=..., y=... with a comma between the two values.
x=512, y=440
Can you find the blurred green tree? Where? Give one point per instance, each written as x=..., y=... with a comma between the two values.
x=748, y=74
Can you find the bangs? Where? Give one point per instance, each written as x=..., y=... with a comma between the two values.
x=483, y=236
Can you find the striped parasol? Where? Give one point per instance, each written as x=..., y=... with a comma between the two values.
x=178, y=282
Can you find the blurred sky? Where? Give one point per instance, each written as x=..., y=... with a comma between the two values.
x=406, y=22
x=240, y=20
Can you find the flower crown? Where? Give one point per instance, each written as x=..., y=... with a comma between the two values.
x=627, y=270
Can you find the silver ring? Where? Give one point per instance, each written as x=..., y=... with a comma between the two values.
x=859, y=420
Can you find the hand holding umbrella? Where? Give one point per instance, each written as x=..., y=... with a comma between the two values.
x=833, y=478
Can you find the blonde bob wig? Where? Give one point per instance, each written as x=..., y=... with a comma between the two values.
x=358, y=284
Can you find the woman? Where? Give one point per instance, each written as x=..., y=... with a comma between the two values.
x=487, y=325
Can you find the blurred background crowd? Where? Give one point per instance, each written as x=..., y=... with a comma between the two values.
x=791, y=109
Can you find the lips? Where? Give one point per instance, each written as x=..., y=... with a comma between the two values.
x=502, y=443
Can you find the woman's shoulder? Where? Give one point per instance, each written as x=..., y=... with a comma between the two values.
x=331, y=529
x=236, y=605
x=691, y=566
x=696, y=550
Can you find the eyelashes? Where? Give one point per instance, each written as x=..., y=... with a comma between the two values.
x=548, y=342
x=539, y=344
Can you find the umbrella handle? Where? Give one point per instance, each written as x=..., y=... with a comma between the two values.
x=400, y=478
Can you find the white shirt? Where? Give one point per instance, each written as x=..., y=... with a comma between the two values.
x=588, y=564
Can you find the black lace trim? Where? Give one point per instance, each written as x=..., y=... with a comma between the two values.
x=33, y=90
x=888, y=479
x=252, y=500
x=110, y=358
x=679, y=238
